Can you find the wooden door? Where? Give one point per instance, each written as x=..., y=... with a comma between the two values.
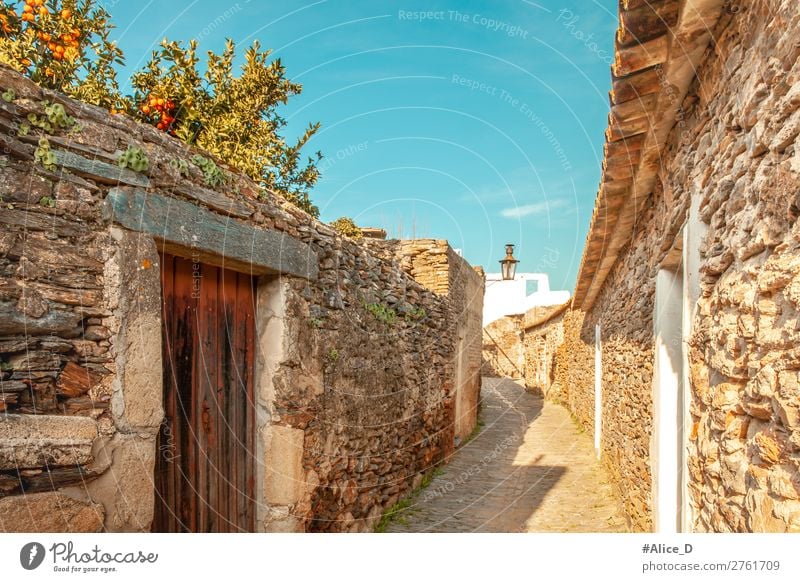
x=205, y=455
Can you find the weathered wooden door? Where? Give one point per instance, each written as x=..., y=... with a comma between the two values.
x=205, y=456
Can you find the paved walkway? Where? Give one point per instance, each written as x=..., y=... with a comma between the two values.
x=529, y=470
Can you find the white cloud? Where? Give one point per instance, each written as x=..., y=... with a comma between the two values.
x=532, y=209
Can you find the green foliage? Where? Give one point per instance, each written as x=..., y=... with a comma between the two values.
x=24, y=128
x=180, y=165
x=398, y=513
x=47, y=202
x=55, y=117
x=381, y=312
x=44, y=156
x=9, y=95
x=347, y=227
x=212, y=175
x=333, y=355
x=40, y=122
x=475, y=431
x=416, y=313
x=315, y=322
x=135, y=159
x=233, y=116
x=63, y=45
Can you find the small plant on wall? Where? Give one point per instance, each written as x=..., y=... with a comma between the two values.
x=416, y=313
x=347, y=227
x=135, y=159
x=381, y=312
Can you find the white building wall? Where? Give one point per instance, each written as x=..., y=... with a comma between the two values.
x=511, y=297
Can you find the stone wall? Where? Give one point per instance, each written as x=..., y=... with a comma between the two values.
x=434, y=264
x=624, y=312
x=729, y=177
x=503, y=354
x=742, y=162
x=541, y=344
x=469, y=353
x=356, y=361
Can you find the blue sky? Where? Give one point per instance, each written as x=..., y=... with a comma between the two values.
x=476, y=121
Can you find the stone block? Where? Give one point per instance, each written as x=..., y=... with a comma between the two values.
x=760, y=516
x=28, y=441
x=49, y=512
x=138, y=390
x=284, y=480
x=100, y=171
x=242, y=246
x=280, y=520
x=784, y=481
x=126, y=489
x=767, y=448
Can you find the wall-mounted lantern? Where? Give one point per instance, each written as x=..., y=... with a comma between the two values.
x=509, y=264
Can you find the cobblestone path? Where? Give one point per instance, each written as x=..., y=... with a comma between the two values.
x=530, y=469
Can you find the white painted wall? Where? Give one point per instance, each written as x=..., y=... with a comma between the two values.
x=511, y=297
x=667, y=444
x=598, y=391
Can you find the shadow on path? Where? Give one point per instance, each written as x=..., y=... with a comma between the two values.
x=529, y=469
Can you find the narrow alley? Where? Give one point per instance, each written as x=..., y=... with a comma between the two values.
x=529, y=469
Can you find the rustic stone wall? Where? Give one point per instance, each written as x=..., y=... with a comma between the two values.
x=435, y=265
x=356, y=360
x=734, y=154
x=541, y=344
x=624, y=311
x=468, y=311
x=503, y=354
x=742, y=160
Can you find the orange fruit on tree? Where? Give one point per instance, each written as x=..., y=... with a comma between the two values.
x=66, y=13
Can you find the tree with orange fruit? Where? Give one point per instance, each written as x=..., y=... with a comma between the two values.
x=63, y=45
x=232, y=116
